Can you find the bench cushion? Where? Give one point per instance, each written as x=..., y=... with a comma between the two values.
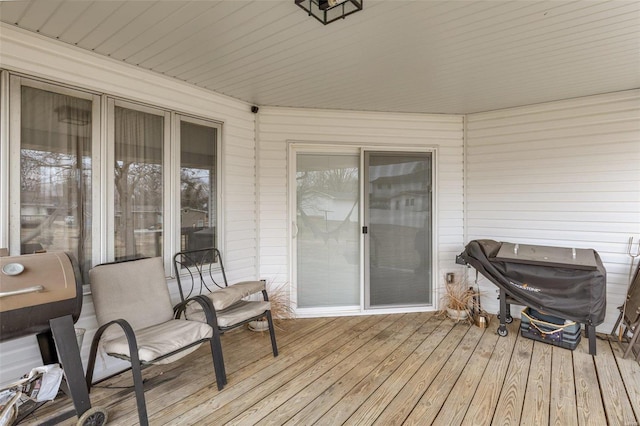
x=231, y=316
x=158, y=340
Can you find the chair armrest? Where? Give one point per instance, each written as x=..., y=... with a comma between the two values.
x=131, y=341
x=204, y=302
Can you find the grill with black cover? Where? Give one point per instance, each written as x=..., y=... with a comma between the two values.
x=566, y=282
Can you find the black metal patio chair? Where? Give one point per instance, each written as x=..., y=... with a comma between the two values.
x=133, y=296
x=202, y=272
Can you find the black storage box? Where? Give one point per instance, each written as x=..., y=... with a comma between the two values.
x=553, y=330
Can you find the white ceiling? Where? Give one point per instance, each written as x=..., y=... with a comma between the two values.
x=395, y=55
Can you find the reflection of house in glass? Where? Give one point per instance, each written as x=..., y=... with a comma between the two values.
x=32, y=215
x=144, y=217
x=402, y=192
x=51, y=197
x=143, y=229
x=337, y=206
x=193, y=218
x=399, y=229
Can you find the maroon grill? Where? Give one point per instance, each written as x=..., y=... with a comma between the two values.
x=36, y=288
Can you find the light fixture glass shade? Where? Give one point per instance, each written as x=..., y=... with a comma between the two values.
x=327, y=11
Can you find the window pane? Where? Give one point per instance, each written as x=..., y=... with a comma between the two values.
x=197, y=186
x=55, y=174
x=399, y=234
x=328, y=252
x=138, y=183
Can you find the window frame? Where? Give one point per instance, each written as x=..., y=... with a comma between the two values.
x=103, y=172
x=16, y=83
x=176, y=161
x=110, y=174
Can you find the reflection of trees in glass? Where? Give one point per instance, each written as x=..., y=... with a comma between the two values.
x=137, y=185
x=327, y=200
x=198, y=202
x=39, y=168
x=310, y=183
x=138, y=181
x=195, y=188
x=47, y=180
x=138, y=178
x=53, y=188
x=55, y=173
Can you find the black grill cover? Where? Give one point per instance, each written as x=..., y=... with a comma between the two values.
x=576, y=294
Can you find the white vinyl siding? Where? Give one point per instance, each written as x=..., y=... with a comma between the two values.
x=59, y=63
x=280, y=126
x=565, y=173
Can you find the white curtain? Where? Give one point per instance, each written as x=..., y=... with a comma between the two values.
x=138, y=183
x=55, y=174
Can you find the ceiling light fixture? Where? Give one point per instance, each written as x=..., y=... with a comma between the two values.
x=327, y=11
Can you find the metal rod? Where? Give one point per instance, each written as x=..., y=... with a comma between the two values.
x=633, y=256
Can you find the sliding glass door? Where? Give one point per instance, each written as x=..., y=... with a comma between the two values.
x=358, y=201
x=327, y=237
x=398, y=229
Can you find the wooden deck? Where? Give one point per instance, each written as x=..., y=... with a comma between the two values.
x=408, y=369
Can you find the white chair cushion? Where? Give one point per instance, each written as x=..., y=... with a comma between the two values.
x=161, y=339
x=247, y=288
x=233, y=315
x=228, y=296
x=136, y=291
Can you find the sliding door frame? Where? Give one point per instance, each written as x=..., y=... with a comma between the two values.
x=366, y=222
x=327, y=149
x=295, y=147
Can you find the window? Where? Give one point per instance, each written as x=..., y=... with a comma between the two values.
x=198, y=184
x=55, y=137
x=61, y=147
x=138, y=183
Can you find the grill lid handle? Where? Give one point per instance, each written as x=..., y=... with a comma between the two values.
x=34, y=289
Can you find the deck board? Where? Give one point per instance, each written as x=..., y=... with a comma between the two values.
x=371, y=408
x=426, y=410
x=589, y=402
x=562, y=408
x=483, y=405
x=630, y=376
x=416, y=368
x=354, y=398
x=535, y=410
x=302, y=390
x=509, y=407
x=401, y=406
x=332, y=390
x=225, y=406
x=616, y=401
x=455, y=407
